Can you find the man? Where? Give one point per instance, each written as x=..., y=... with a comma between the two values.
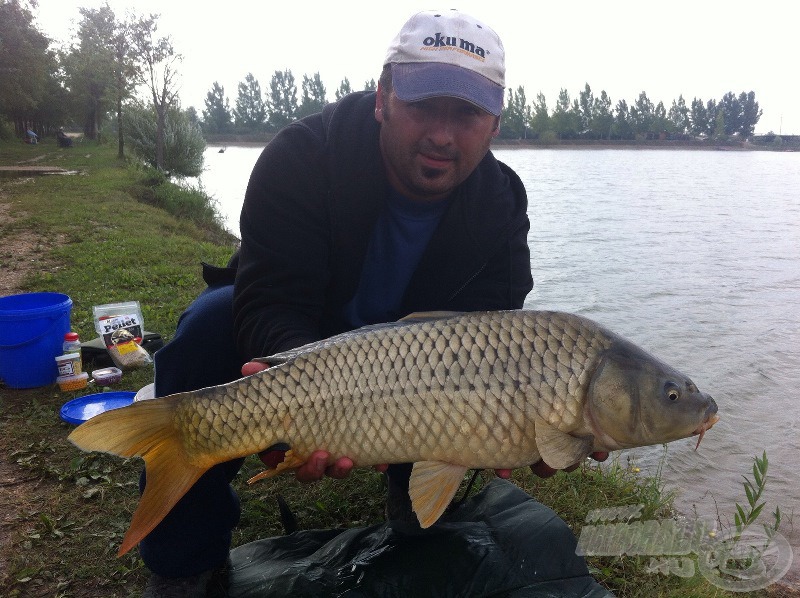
x=384, y=204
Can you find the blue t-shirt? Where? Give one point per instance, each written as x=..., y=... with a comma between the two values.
x=398, y=241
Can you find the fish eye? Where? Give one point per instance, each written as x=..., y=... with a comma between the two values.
x=672, y=391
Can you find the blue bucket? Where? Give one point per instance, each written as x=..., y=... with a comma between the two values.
x=32, y=329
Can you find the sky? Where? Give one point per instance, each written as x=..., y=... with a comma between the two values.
x=694, y=48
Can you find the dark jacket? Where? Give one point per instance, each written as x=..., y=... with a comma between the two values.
x=311, y=204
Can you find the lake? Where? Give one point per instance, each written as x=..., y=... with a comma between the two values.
x=693, y=255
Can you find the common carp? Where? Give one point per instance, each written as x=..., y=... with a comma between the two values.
x=445, y=391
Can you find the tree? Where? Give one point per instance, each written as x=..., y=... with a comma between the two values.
x=642, y=115
x=251, y=109
x=623, y=127
x=711, y=118
x=751, y=113
x=585, y=107
x=160, y=61
x=127, y=69
x=282, y=101
x=103, y=69
x=678, y=116
x=731, y=109
x=217, y=113
x=313, y=98
x=184, y=145
x=26, y=66
x=90, y=68
x=719, y=126
x=602, y=116
x=191, y=114
x=540, y=117
x=661, y=123
x=565, y=120
x=344, y=89
x=516, y=115
x=698, y=118
x=370, y=85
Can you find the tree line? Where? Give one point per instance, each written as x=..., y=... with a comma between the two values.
x=585, y=117
x=96, y=83
x=593, y=117
x=256, y=111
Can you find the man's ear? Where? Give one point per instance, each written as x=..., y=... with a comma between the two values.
x=496, y=131
x=379, y=104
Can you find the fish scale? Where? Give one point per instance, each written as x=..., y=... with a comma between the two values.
x=448, y=392
x=480, y=383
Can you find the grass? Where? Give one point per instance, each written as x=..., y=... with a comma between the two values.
x=116, y=232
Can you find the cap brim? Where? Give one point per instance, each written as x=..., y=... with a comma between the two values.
x=419, y=81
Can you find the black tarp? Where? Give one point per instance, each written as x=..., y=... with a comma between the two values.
x=499, y=542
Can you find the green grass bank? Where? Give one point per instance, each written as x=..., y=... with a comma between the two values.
x=113, y=231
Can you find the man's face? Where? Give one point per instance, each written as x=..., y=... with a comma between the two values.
x=431, y=146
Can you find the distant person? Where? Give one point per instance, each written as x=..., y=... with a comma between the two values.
x=63, y=139
x=384, y=204
x=31, y=137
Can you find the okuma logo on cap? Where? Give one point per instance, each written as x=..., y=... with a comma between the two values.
x=451, y=42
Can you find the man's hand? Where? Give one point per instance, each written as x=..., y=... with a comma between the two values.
x=317, y=464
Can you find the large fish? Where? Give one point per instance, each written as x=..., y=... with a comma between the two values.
x=445, y=391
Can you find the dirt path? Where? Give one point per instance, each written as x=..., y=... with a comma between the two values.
x=21, y=253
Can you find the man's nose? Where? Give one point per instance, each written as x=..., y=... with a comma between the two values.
x=442, y=125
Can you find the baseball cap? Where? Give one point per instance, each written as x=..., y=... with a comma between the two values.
x=448, y=53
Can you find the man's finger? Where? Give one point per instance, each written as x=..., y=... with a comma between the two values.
x=253, y=367
x=542, y=469
x=314, y=468
x=340, y=469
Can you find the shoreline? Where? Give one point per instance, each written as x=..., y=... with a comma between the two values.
x=224, y=141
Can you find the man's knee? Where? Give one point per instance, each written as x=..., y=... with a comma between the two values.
x=203, y=350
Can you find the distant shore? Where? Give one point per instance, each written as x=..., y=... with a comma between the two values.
x=790, y=143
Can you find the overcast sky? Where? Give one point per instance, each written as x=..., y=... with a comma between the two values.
x=697, y=48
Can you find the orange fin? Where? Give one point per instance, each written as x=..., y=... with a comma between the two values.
x=144, y=429
x=289, y=462
x=432, y=486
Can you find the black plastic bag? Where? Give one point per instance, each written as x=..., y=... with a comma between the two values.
x=500, y=542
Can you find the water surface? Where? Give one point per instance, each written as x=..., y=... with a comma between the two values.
x=693, y=255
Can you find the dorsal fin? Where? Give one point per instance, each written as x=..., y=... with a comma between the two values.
x=428, y=316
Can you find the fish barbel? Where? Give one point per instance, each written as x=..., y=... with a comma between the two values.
x=445, y=391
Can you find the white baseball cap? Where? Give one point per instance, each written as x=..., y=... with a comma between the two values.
x=448, y=53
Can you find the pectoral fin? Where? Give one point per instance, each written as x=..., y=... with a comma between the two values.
x=432, y=486
x=559, y=449
x=290, y=461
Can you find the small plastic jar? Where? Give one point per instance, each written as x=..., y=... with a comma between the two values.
x=68, y=383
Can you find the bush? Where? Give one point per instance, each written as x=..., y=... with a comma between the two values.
x=6, y=130
x=183, y=141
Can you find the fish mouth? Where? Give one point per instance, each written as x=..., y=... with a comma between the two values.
x=707, y=424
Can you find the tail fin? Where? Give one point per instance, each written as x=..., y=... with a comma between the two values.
x=144, y=429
